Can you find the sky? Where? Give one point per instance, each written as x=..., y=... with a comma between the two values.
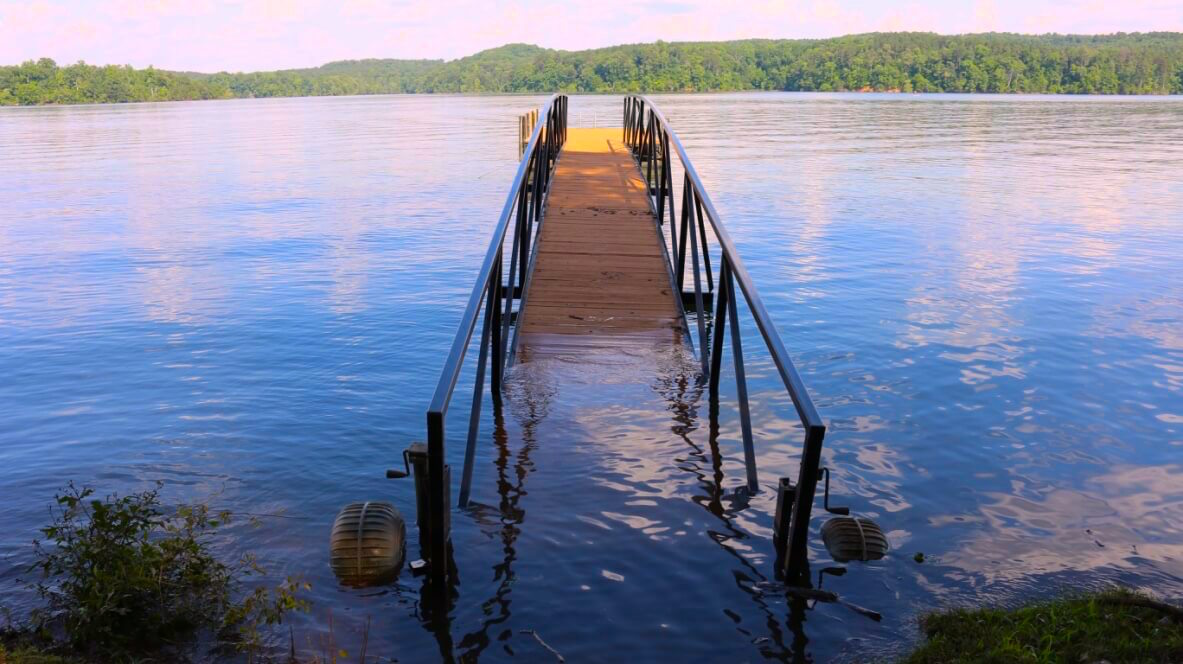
x=251, y=35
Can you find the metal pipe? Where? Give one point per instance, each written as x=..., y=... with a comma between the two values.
x=478, y=393
x=680, y=250
x=498, y=361
x=797, y=563
x=661, y=190
x=706, y=254
x=741, y=390
x=507, y=317
x=437, y=537
x=702, y=333
x=719, y=329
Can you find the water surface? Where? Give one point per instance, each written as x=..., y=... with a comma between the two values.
x=250, y=300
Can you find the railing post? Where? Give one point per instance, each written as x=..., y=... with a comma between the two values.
x=624, y=119
x=524, y=233
x=679, y=251
x=536, y=185
x=702, y=230
x=478, y=393
x=701, y=318
x=507, y=318
x=719, y=327
x=741, y=387
x=661, y=185
x=498, y=360
x=651, y=149
x=796, y=563
x=438, y=520
x=669, y=171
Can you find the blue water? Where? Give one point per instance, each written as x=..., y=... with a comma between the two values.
x=250, y=301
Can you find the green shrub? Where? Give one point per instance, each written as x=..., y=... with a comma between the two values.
x=121, y=576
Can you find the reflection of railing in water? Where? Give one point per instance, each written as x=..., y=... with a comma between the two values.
x=436, y=607
x=522, y=208
x=648, y=134
x=685, y=397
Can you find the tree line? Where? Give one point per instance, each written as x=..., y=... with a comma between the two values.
x=1138, y=63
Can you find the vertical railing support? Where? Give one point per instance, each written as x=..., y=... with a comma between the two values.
x=498, y=362
x=680, y=240
x=700, y=310
x=523, y=235
x=661, y=192
x=797, y=562
x=478, y=394
x=438, y=490
x=507, y=317
x=741, y=386
x=702, y=230
x=668, y=171
x=719, y=329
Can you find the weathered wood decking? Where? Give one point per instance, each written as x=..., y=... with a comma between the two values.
x=600, y=277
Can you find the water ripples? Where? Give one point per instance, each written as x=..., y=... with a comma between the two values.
x=250, y=300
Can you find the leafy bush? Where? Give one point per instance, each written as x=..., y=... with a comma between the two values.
x=121, y=576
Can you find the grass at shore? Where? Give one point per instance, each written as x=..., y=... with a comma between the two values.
x=1113, y=626
x=27, y=655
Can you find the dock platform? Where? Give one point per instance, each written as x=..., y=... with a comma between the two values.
x=601, y=277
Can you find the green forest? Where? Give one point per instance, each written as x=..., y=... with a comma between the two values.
x=1138, y=63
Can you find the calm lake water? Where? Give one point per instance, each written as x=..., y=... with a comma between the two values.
x=251, y=300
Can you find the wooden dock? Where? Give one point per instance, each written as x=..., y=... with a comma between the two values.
x=583, y=281
x=601, y=278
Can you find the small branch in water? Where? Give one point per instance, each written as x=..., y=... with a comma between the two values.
x=542, y=643
x=365, y=642
x=829, y=597
x=811, y=593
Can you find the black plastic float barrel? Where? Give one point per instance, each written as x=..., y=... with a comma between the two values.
x=848, y=538
x=368, y=544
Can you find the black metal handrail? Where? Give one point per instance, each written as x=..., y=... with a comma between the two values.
x=523, y=206
x=649, y=135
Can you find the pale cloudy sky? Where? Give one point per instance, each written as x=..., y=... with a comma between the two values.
x=238, y=35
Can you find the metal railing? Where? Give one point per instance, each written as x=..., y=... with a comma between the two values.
x=495, y=295
x=654, y=144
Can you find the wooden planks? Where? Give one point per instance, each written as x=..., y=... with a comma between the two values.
x=600, y=277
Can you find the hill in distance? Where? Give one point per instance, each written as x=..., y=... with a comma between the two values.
x=1135, y=63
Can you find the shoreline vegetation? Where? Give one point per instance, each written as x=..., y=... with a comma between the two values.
x=1122, y=63
x=1110, y=626
x=123, y=578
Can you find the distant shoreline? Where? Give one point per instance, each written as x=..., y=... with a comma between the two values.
x=1120, y=64
x=853, y=93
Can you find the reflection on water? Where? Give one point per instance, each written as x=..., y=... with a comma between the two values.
x=250, y=300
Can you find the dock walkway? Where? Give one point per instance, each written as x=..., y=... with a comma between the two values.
x=601, y=277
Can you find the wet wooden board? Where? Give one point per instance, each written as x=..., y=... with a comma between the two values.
x=600, y=278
